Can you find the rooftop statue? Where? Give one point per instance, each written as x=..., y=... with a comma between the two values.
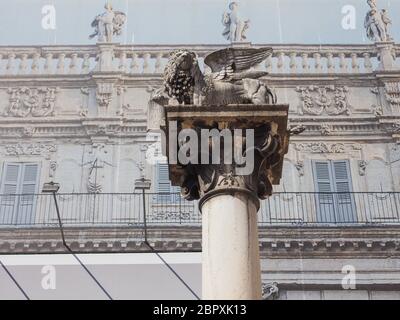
x=108, y=24
x=377, y=23
x=235, y=26
x=231, y=82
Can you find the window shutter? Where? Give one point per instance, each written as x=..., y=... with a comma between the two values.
x=336, y=204
x=11, y=177
x=168, y=192
x=345, y=209
x=323, y=176
x=163, y=183
x=19, y=178
x=342, y=176
x=29, y=183
x=324, y=185
x=29, y=178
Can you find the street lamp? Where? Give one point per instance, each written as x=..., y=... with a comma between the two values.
x=52, y=187
x=143, y=184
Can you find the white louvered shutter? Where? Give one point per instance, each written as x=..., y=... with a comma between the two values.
x=167, y=192
x=28, y=187
x=11, y=177
x=29, y=179
x=20, y=183
x=345, y=211
x=163, y=183
x=323, y=176
x=9, y=201
x=324, y=187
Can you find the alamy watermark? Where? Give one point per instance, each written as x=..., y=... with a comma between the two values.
x=349, y=280
x=210, y=146
x=48, y=281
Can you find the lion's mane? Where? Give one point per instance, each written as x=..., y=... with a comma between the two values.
x=178, y=83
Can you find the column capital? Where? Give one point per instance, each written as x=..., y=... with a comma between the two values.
x=256, y=133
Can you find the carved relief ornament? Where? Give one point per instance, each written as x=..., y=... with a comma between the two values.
x=34, y=149
x=321, y=147
x=392, y=93
x=34, y=102
x=331, y=100
x=104, y=94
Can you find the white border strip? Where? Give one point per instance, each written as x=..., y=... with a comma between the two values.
x=100, y=259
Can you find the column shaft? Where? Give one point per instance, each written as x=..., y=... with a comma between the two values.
x=231, y=262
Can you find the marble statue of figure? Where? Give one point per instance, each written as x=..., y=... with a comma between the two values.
x=108, y=24
x=235, y=26
x=372, y=4
x=231, y=82
x=387, y=21
x=377, y=23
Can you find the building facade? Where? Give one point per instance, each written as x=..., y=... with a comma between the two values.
x=79, y=116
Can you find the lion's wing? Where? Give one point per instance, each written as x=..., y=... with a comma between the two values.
x=225, y=63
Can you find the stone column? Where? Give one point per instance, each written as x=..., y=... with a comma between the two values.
x=229, y=196
x=230, y=261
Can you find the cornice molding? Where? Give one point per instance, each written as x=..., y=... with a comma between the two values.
x=282, y=242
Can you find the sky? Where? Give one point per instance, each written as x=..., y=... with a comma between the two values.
x=191, y=21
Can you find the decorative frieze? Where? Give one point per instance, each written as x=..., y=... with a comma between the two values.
x=322, y=147
x=34, y=102
x=33, y=149
x=392, y=127
x=319, y=100
x=392, y=94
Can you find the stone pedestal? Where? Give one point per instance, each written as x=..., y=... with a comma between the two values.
x=105, y=57
x=386, y=55
x=228, y=191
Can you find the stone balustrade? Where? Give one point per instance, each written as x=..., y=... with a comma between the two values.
x=151, y=59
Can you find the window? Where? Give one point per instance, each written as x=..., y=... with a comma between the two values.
x=19, y=183
x=335, y=203
x=165, y=192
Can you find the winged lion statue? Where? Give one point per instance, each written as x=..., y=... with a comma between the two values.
x=231, y=81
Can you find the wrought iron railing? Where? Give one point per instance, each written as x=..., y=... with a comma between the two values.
x=169, y=209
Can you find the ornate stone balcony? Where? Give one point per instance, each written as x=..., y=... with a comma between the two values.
x=151, y=59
